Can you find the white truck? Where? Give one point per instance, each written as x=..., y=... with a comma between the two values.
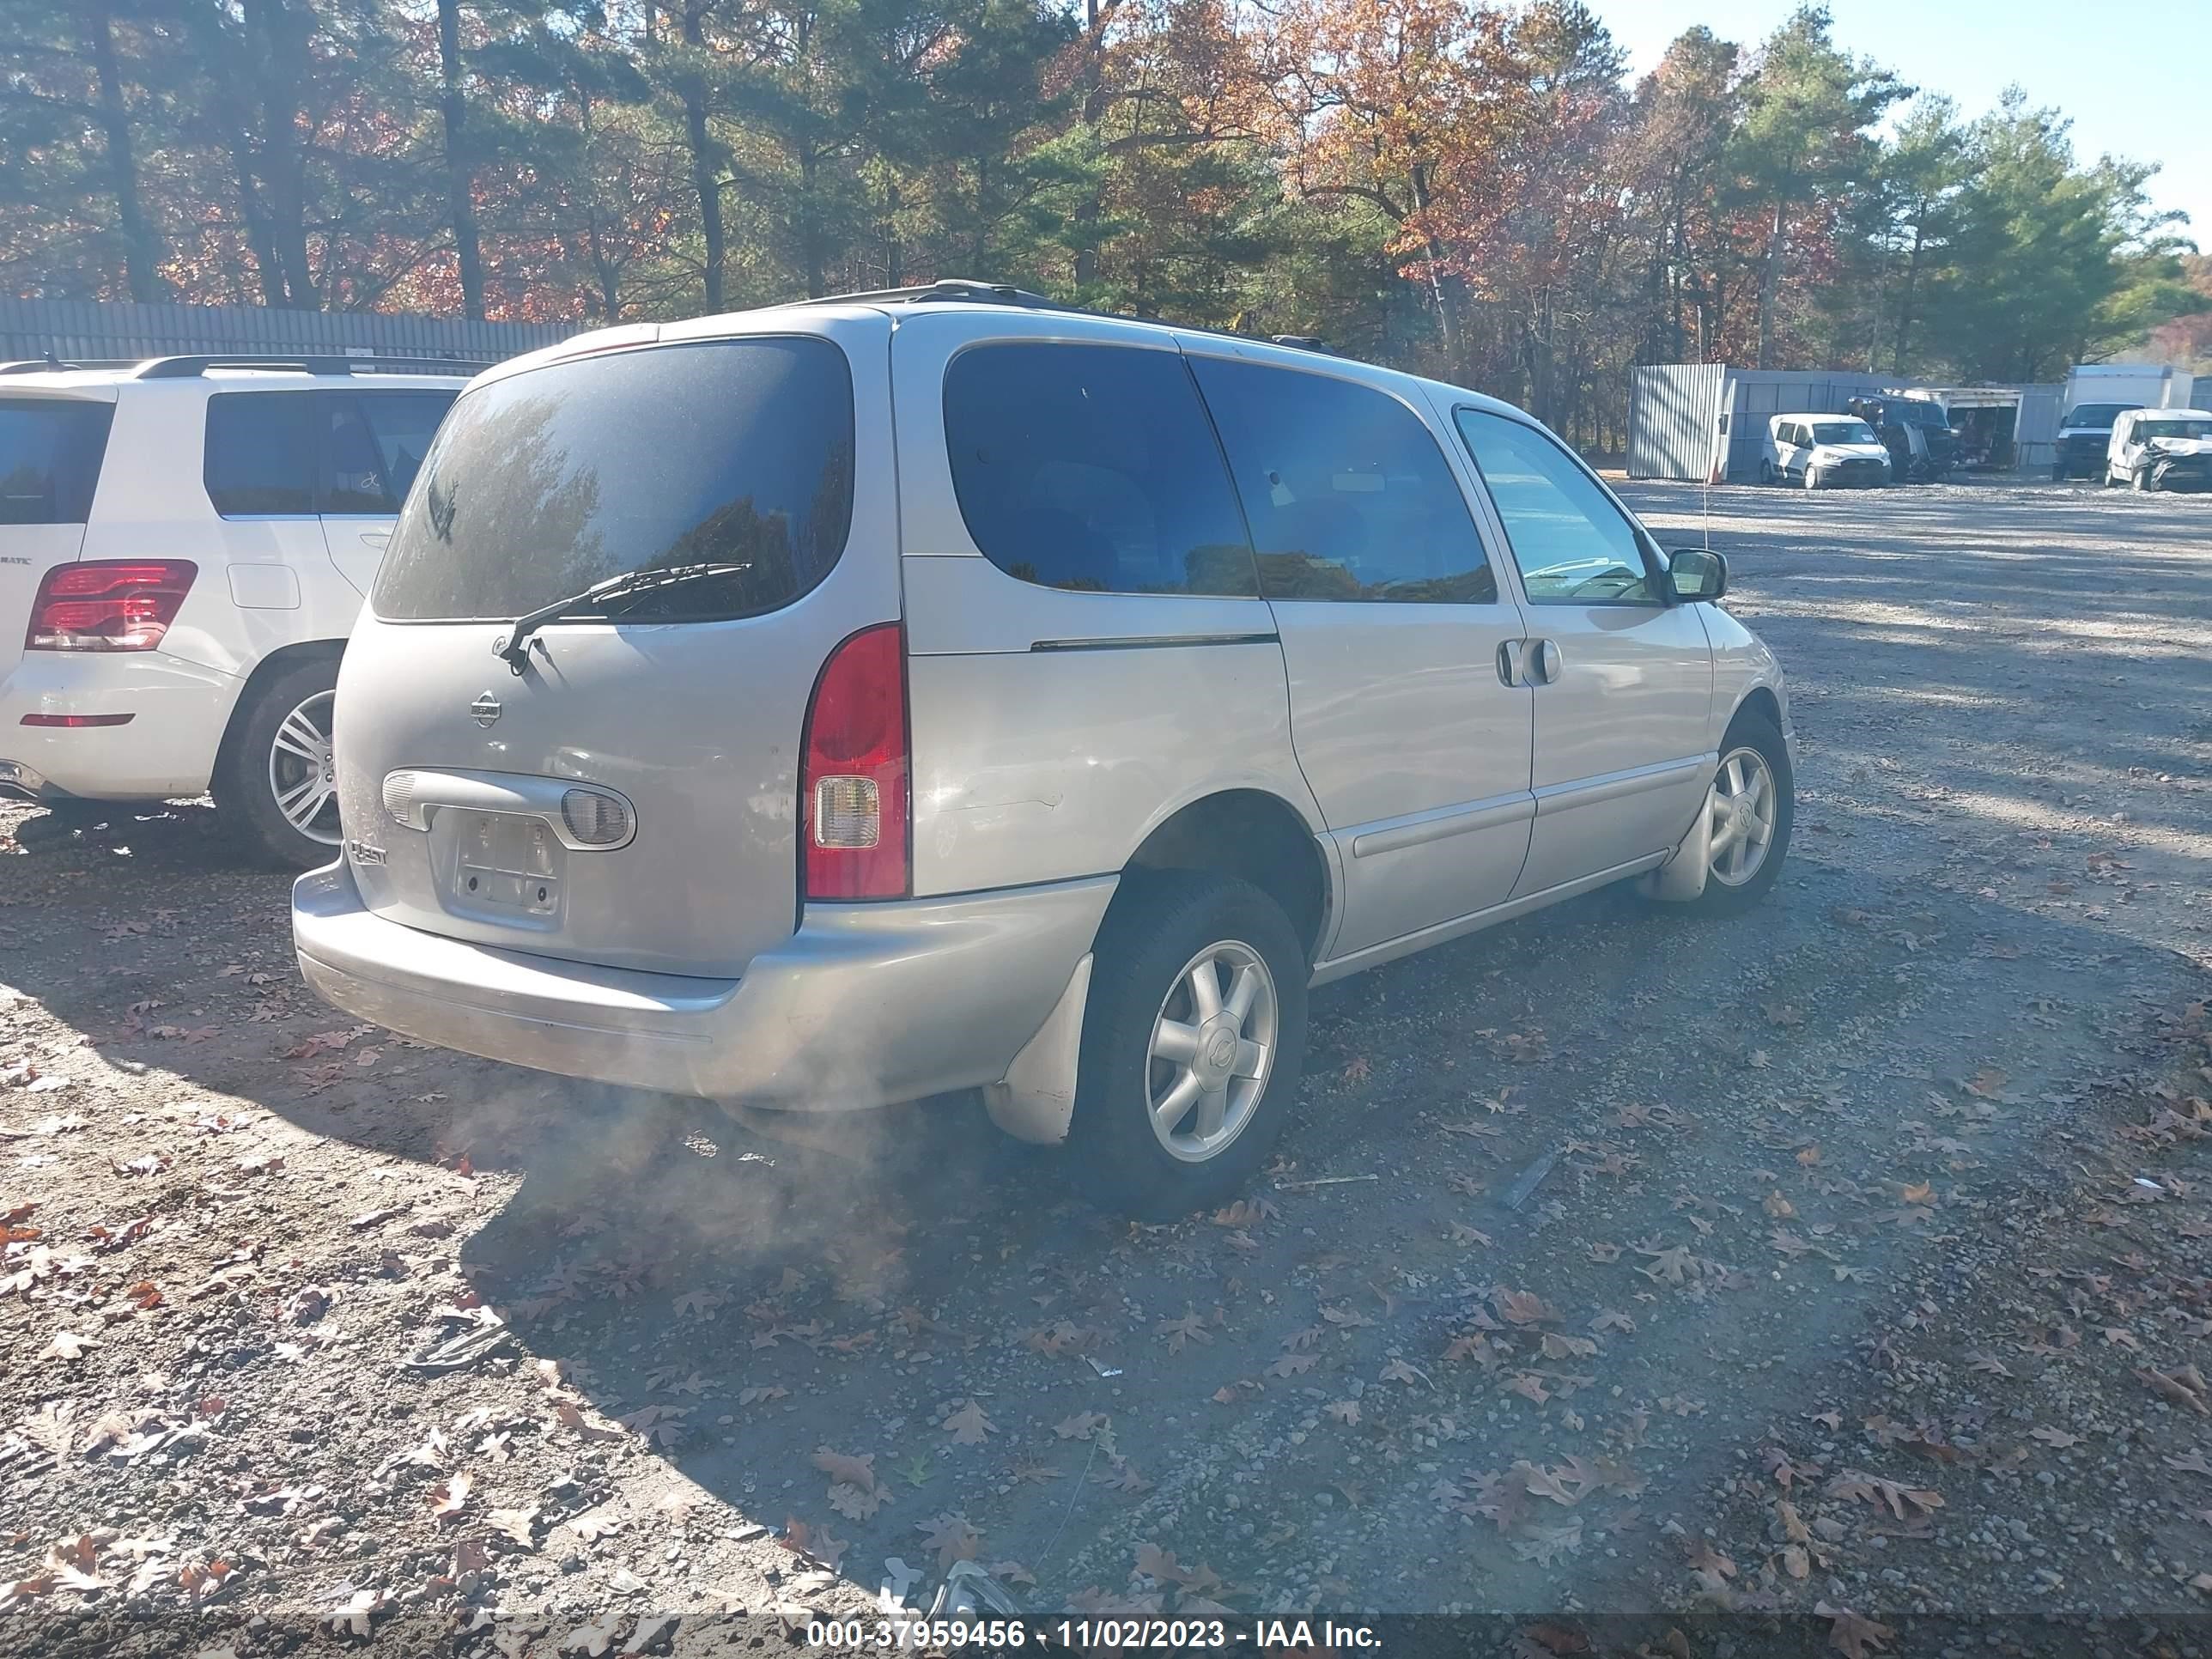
x=2096, y=393
x=2142, y=385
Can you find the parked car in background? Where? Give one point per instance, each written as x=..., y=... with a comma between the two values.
x=2161, y=449
x=184, y=545
x=1822, y=451
x=1915, y=433
x=688, y=742
x=2084, y=436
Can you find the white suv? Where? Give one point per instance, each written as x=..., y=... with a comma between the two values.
x=184, y=545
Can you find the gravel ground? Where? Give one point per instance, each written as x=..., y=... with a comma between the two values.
x=1865, y=1293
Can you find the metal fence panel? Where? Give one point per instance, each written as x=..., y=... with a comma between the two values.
x=1672, y=408
x=82, y=328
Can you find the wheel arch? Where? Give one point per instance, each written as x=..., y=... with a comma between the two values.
x=1256, y=836
x=1761, y=700
x=279, y=661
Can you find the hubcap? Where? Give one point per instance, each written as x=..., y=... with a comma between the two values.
x=302, y=771
x=1739, y=817
x=1213, y=1046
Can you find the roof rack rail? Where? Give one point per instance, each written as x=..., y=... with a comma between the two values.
x=49, y=364
x=950, y=287
x=963, y=289
x=185, y=368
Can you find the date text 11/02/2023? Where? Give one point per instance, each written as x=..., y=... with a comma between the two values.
x=999, y=1635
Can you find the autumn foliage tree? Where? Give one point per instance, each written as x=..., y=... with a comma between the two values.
x=1476, y=188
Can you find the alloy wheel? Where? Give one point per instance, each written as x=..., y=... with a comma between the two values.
x=302, y=774
x=1740, y=817
x=1213, y=1048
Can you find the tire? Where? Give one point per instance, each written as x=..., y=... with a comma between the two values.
x=1753, y=733
x=253, y=768
x=1158, y=928
x=1809, y=484
x=2057, y=472
x=1767, y=473
x=2139, y=481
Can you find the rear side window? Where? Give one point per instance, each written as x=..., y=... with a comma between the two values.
x=1092, y=467
x=261, y=452
x=1348, y=495
x=733, y=454
x=377, y=441
x=50, y=452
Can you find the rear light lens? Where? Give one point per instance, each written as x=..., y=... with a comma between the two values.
x=594, y=819
x=854, y=787
x=107, y=604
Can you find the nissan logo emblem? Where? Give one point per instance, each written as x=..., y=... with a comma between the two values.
x=486, y=709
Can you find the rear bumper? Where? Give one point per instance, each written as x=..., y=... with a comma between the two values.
x=866, y=1005
x=178, y=713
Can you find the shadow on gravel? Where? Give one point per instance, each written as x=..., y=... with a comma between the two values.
x=930, y=1299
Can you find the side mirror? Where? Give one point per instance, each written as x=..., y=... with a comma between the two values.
x=1695, y=573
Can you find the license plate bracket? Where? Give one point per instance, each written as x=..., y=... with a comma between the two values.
x=508, y=862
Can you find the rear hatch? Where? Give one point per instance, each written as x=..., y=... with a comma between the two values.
x=51, y=444
x=631, y=798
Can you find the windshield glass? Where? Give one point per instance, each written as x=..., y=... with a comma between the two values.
x=736, y=452
x=2098, y=415
x=2174, y=429
x=1843, y=432
x=1918, y=411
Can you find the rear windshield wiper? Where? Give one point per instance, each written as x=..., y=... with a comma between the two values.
x=513, y=647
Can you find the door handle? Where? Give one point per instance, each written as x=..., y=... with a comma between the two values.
x=1546, y=661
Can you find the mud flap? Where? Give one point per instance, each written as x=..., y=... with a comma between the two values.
x=1036, y=1100
x=1682, y=878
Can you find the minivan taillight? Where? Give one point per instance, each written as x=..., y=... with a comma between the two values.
x=854, y=789
x=107, y=604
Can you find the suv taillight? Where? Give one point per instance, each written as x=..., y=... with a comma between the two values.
x=854, y=788
x=107, y=604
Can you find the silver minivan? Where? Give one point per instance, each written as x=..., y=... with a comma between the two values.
x=857, y=701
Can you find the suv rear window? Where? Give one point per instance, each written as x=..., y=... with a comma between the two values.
x=50, y=453
x=542, y=483
x=261, y=454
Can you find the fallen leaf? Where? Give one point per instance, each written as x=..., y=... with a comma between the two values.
x=1189, y=1328
x=449, y=1496
x=969, y=1425
x=517, y=1524
x=952, y=1537
x=1346, y=1412
x=1849, y=1633
x=1081, y=1426
x=848, y=1471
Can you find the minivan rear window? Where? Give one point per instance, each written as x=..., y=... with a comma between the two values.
x=50, y=454
x=735, y=452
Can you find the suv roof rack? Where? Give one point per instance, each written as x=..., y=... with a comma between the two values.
x=50, y=364
x=185, y=368
x=950, y=287
x=965, y=289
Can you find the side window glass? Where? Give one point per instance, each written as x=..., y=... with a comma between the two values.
x=355, y=482
x=1573, y=545
x=1348, y=495
x=1091, y=468
x=401, y=425
x=260, y=452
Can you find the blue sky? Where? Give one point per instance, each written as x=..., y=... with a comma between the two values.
x=2140, y=93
